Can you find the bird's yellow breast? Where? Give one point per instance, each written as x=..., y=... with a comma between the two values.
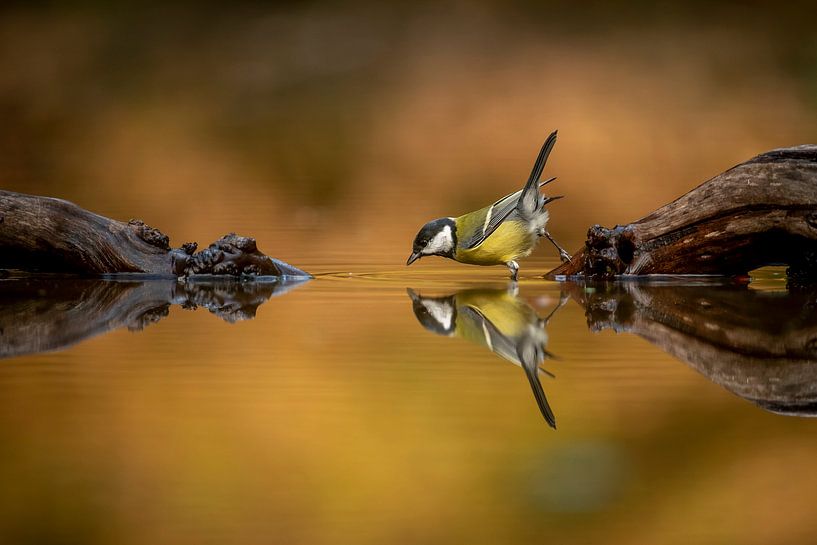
x=510, y=241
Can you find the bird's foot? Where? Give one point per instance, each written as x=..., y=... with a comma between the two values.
x=563, y=255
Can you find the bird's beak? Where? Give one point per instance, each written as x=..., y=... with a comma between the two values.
x=413, y=257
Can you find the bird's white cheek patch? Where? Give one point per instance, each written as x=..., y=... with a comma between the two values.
x=442, y=242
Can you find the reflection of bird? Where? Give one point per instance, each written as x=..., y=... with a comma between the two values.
x=497, y=319
x=497, y=234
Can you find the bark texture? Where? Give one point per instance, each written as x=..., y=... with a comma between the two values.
x=43, y=234
x=761, y=212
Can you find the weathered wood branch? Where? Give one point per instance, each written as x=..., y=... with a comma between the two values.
x=43, y=234
x=760, y=212
x=759, y=345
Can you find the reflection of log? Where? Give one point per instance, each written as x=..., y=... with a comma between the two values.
x=760, y=212
x=759, y=345
x=52, y=235
x=42, y=314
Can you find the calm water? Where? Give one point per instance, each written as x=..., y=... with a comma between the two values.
x=349, y=409
x=337, y=412
x=340, y=411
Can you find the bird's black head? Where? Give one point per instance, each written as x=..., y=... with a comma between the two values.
x=437, y=237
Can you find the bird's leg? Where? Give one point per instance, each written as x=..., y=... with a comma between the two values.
x=514, y=268
x=563, y=255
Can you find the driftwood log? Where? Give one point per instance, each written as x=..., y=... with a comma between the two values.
x=759, y=345
x=39, y=314
x=43, y=234
x=760, y=212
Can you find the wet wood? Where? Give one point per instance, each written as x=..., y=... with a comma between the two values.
x=44, y=234
x=759, y=345
x=761, y=212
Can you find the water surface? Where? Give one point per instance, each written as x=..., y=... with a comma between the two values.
x=330, y=132
x=329, y=413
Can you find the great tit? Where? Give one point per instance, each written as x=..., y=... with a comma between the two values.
x=497, y=319
x=497, y=234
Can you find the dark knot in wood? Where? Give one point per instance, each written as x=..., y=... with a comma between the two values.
x=811, y=346
x=608, y=251
x=811, y=219
x=801, y=271
x=149, y=234
x=232, y=255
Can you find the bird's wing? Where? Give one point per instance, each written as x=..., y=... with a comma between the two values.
x=497, y=213
x=526, y=201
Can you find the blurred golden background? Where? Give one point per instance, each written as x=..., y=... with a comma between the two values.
x=327, y=128
x=331, y=131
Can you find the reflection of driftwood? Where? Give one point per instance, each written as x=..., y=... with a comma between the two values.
x=760, y=212
x=42, y=314
x=759, y=345
x=52, y=235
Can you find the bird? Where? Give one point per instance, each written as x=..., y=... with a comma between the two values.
x=498, y=234
x=498, y=320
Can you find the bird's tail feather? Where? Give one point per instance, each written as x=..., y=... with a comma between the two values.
x=528, y=202
x=548, y=200
x=542, y=158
